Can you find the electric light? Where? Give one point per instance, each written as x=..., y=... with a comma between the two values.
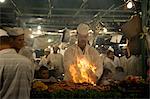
x=129, y=5
x=2, y=1
x=39, y=27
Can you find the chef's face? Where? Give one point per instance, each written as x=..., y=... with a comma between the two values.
x=82, y=40
x=18, y=42
x=44, y=74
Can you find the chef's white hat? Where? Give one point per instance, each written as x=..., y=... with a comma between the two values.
x=15, y=31
x=3, y=33
x=83, y=29
x=111, y=49
x=47, y=49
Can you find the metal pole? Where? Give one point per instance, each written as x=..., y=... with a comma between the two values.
x=17, y=9
x=144, y=6
x=50, y=9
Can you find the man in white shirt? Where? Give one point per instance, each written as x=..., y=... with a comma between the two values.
x=43, y=60
x=124, y=58
x=16, y=73
x=56, y=60
x=82, y=51
x=134, y=65
x=111, y=61
x=16, y=38
x=131, y=63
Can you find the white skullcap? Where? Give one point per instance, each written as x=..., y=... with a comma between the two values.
x=3, y=33
x=111, y=49
x=16, y=31
x=47, y=49
x=83, y=29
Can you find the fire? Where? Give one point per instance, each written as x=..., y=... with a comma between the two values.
x=83, y=71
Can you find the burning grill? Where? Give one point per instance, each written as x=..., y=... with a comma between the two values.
x=83, y=72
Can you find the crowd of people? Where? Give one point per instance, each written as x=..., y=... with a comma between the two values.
x=17, y=69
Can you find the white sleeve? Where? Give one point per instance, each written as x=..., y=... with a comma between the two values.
x=68, y=60
x=98, y=62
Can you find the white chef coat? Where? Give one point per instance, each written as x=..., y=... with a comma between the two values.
x=134, y=66
x=124, y=62
x=43, y=61
x=103, y=56
x=16, y=75
x=62, y=51
x=91, y=54
x=56, y=60
x=27, y=52
x=111, y=64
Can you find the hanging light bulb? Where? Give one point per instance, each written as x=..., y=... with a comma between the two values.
x=2, y=1
x=96, y=46
x=49, y=40
x=39, y=27
x=120, y=55
x=30, y=29
x=129, y=4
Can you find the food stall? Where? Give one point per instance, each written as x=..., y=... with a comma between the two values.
x=131, y=87
x=113, y=23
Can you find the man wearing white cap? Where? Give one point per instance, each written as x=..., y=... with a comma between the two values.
x=16, y=71
x=17, y=38
x=43, y=60
x=111, y=61
x=134, y=64
x=124, y=58
x=56, y=60
x=84, y=51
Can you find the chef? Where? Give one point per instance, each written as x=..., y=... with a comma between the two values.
x=111, y=61
x=44, y=58
x=16, y=73
x=124, y=58
x=82, y=50
x=17, y=38
x=56, y=60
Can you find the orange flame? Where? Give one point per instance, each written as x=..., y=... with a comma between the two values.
x=83, y=71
